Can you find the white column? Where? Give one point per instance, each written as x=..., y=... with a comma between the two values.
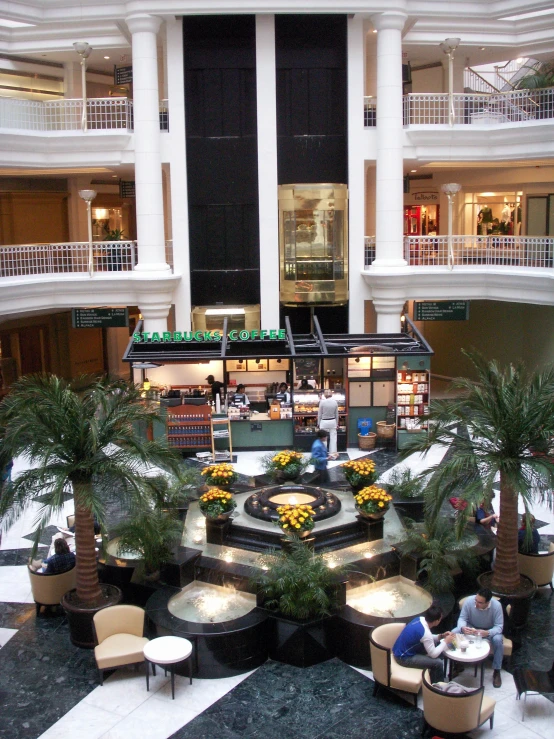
x=390, y=136
x=148, y=171
x=267, y=170
x=388, y=308
x=178, y=171
x=356, y=179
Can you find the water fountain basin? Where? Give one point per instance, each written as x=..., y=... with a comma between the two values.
x=202, y=602
x=394, y=598
x=263, y=504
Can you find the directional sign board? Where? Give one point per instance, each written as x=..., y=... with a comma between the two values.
x=99, y=317
x=442, y=310
x=123, y=75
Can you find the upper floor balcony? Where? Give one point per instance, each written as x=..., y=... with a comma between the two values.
x=53, y=116
x=441, y=109
x=536, y=252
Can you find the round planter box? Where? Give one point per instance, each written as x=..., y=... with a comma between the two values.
x=80, y=617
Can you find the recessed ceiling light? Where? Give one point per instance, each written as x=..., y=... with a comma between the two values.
x=374, y=30
x=106, y=57
x=413, y=170
x=483, y=48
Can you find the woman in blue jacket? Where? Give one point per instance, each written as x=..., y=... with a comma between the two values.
x=319, y=457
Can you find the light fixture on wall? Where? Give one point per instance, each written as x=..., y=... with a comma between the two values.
x=83, y=48
x=88, y=196
x=449, y=46
x=450, y=189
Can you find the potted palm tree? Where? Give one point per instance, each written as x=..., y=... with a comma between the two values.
x=80, y=437
x=509, y=412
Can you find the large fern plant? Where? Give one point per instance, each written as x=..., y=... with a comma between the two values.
x=298, y=583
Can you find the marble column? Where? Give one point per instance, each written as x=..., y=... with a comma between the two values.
x=389, y=205
x=148, y=170
x=356, y=173
x=267, y=170
x=390, y=137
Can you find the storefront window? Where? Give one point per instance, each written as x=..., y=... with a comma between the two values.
x=489, y=213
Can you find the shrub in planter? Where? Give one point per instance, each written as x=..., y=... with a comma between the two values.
x=152, y=534
x=219, y=475
x=217, y=504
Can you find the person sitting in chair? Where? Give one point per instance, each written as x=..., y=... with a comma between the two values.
x=528, y=544
x=481, y=615
x=62, y=560
x=416, y=647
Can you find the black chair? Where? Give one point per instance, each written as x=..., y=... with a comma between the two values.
x=537, y=682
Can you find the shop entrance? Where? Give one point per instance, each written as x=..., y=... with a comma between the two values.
x=421, y=220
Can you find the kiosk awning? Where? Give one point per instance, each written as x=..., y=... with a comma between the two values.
x=193, y=347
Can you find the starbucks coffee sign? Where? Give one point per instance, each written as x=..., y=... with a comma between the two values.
x=156, y=337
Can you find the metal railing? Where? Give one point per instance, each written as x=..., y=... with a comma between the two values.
x=103, y=114
x=505, y=107
x=370, y=111
x=369, y=250
x=495, y=250
x=48, y=259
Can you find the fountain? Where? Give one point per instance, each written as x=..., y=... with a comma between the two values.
x=207, y=603
x=263, y=504
x=391, y=598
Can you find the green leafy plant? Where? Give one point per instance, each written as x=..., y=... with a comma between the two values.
x=113, y=234
x=373, y=500
x=298, y=583
x=403, y=484
x=152, y=534
x=80, y=437
x=539, y=77
x=508, y=412
x=441, y=550
x=173, y=491
x=359, y=472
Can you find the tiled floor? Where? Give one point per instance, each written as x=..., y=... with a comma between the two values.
x=49, y=688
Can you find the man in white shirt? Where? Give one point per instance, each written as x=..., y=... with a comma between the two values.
x=328, y=419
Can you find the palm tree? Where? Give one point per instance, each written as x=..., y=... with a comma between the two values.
x=509, y=414
x=82, y=437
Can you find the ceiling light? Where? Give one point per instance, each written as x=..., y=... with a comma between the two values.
x=519, y=60
x=482, y=48
x=225, y=311
x=413, y=170
x=374, y=30
x=106, y=57
x=487, y=194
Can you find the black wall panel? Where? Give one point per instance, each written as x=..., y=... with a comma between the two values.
x=222, y=167
x=311, y=98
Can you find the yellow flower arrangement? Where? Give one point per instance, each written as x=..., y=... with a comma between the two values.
x=372, y=500
x=283, y=459
x=359, y=471
x=285, y=465
x=296, y=518
x=219, y=474
x=215, y=502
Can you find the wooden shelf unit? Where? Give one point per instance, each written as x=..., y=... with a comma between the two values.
x=189, y=427
x=412, y=400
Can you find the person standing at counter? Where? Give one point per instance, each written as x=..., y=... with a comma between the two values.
x=328, y=419
x=216, y=386
x=240, y=398
x=283, y=396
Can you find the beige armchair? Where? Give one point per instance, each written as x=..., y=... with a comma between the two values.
x=455, y=713
x=539, y=567
x=48, y=590
x=387, y=672
x=508, y=644
x=119, y=632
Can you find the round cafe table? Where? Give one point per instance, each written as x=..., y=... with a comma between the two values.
x=167, y=651
x=475, y=654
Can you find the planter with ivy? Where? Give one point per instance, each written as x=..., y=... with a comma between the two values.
x=302, y=595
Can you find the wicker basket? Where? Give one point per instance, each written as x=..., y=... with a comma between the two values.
x=368, y=441
x=385, y=430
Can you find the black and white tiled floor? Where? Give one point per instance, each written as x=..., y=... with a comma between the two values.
x=48, y=688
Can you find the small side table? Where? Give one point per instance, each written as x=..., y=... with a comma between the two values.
x=167, y=651
x=475, y=654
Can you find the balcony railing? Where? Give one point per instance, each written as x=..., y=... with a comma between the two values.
x=103, y=114
x=49, y=259
x=507, y=251
x=514, y=106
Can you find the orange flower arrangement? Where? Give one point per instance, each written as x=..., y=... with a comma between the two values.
x=215, y=502
x=359, y=471
x=220, y=474
x=295, y=519
x=373, y=500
